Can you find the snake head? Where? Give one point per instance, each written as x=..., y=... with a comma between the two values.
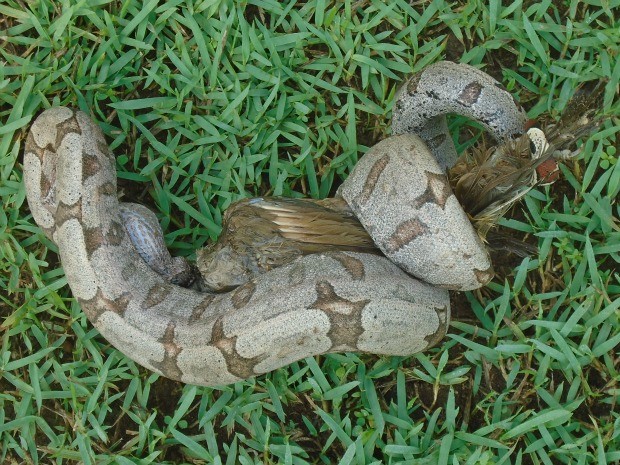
x=148, y=239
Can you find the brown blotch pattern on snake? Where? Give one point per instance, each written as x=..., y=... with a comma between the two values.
x=46, y=186
x=437, y=191
x=470, y=94
x=32, y=147
x=354, y=266
x=90, y=166
x=94, y=238
x=68, y=126
x=236, y=364
x=199, y=309
x=373, y=177
x=100, y=304
x=156, y=295
x=243, y=294
x=66, y=212
x=169, y=364
x=345, y=316
x=405, y=233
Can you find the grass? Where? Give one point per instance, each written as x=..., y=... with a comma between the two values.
x=206, y=102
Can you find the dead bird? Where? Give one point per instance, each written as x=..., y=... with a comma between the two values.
x=264, y=233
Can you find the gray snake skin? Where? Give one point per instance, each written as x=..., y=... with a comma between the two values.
x=320, y=303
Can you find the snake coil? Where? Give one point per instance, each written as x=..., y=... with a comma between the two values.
x=320, y=303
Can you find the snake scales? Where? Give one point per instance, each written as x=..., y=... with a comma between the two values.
x=319, y=303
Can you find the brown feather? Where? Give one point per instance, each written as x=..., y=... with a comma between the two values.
x=490, y=181
x=265, y=233
x=495, y=175
x=579, y=118
x=315, y=222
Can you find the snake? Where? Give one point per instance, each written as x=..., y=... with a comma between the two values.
x=396, y=303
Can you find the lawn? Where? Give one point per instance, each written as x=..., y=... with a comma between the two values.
x=206, y=102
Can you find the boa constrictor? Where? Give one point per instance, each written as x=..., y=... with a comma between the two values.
x=320, y=303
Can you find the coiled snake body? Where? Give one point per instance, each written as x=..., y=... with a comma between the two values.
x=324, y=302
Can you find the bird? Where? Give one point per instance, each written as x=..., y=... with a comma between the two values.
x=264, y=233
